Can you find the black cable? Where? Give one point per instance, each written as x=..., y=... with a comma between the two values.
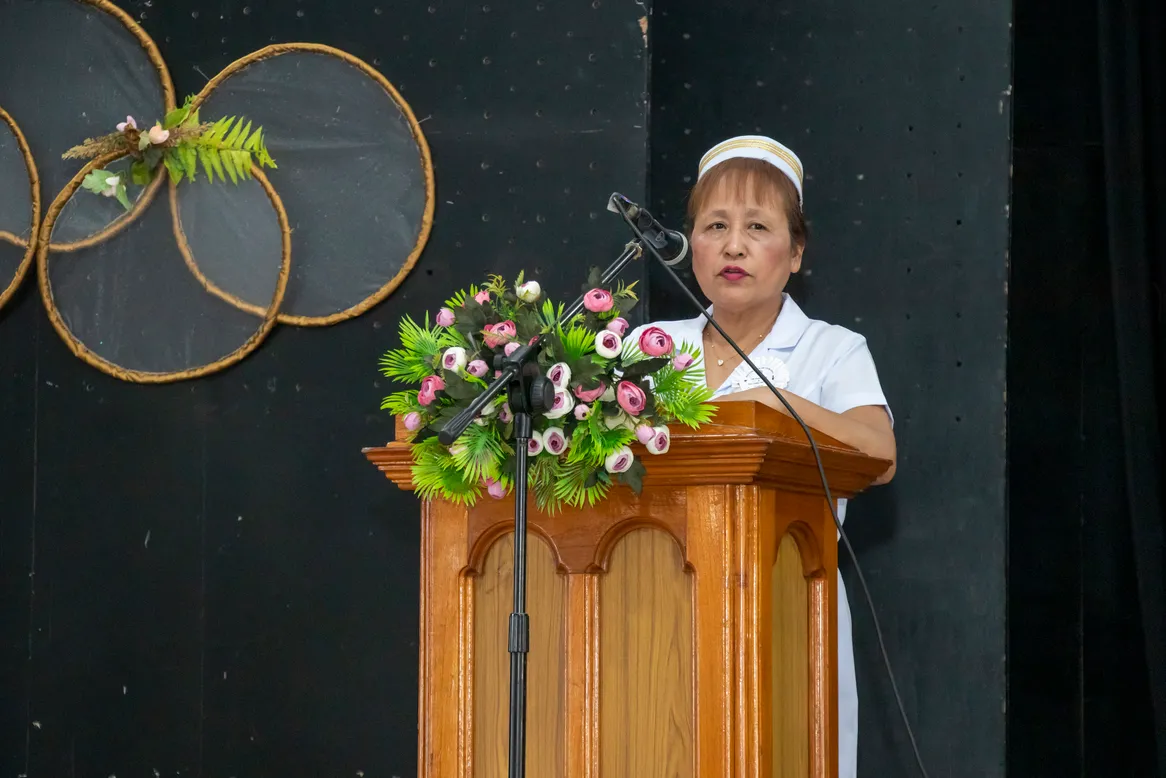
x=817, y=457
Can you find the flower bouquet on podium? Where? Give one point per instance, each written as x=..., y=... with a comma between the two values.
x=608, y=393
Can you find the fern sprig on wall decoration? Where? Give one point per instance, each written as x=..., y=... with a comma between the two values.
x=226, y=148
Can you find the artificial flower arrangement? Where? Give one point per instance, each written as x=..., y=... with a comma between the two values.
x=608, y=393
x=180, y=141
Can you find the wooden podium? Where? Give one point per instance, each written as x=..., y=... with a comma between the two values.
x=687, y=631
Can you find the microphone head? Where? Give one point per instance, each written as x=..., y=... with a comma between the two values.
x=631, y=208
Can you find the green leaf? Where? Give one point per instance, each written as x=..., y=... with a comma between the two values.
x=634, y=476
x=140, y=173
x=122, y=197
x=143, y=141
x=638, y=370
x=176, y=117
x=594, y=279
x=458, y=388
x=174, y=167
x=95, y=181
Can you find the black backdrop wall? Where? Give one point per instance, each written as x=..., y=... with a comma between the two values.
x=208, y=578
x=902, y=120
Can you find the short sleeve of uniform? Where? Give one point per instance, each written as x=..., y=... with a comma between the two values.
x=853, y=381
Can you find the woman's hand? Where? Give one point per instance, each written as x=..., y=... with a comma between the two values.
x=867, y=428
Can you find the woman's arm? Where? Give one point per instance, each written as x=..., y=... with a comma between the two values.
x=867, y=428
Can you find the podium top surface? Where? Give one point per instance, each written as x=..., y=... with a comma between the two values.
x=746, y=443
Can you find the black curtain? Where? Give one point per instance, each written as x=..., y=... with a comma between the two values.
x=1133, y=103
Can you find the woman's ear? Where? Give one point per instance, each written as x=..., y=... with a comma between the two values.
x=795, y=263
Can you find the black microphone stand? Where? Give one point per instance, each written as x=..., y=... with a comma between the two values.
x=528, y=393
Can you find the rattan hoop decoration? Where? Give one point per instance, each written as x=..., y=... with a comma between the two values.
x=146, y=197
x=427, y=168
x=81, y=351
x=34, y=191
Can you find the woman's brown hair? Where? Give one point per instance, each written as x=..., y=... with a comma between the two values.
x=769, y=183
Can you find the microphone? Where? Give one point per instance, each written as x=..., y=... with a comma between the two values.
x=670, y=245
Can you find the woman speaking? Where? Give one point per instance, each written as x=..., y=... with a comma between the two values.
x=748, y=234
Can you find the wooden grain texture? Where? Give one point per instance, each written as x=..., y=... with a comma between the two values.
x=789, y=663
x=581, y=717
x=746, y=443
x=645, y=660
x=493, y=603
x=710, y=532
x=687, y=644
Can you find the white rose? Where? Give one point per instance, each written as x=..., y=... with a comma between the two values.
x=607, y=344
x=660, y=441
x=619, y=461
x=559, y=375
x=529, y=292
x=454, y=359
x=564, y=404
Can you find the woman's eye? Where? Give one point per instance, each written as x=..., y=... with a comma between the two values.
x=756, y=226
x=717, y=226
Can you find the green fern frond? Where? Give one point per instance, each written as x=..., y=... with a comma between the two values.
x=577, y=343
x=688, y=405
x=545, y=473
x=457, y=301
x=580, y=485
x=479, y=452
x=435, y=476
x=400, y=403
x=551, y=315
x=229, y=148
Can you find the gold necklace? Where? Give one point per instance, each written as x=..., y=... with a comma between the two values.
x=713, y=345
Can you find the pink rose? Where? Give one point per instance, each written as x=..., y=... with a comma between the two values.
x=482, y=297
x=494, y=488
x=413, y=421
x=598, y=301
x=555, y=441
x=534, y=446
x=477, y=368
x=644, y=433
x=618, y=325
x=631, y=398
x=590, y=395
x=582, y=411
x=682, y=361
x=505, y=415
x=502, y=332
x=445, y=317
x=429, y=389
x=511, y=348
x=655, y=342
x=532, y=340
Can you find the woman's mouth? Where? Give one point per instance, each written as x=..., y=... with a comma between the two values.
x=732, y=273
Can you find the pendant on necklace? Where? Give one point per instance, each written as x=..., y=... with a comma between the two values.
x=720, y=362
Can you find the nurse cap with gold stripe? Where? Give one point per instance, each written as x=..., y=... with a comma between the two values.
x=755, y=147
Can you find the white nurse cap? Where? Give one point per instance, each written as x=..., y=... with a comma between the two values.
x=755, y=147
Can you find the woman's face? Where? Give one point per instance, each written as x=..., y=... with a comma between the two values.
x=742, y=254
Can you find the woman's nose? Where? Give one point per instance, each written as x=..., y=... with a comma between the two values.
x=735, y=245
